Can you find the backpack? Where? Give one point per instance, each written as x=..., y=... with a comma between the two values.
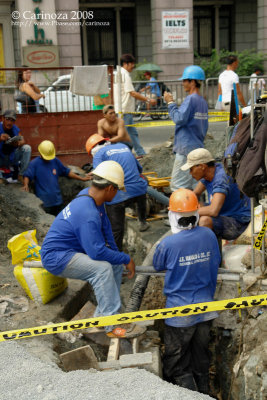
x=251, y=176
x=237, y=146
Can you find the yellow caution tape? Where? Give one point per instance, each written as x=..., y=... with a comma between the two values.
x=190, y=309
x=148, y=124
x=258, y=241
x=226, y=113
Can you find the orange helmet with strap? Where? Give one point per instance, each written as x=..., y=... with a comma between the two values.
x=93, y=141
x=183, y=200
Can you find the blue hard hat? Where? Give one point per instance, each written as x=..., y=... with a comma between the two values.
x=193, y=72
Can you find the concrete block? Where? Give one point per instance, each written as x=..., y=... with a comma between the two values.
x=135, y=360
x=156, y=366
x=82, y=358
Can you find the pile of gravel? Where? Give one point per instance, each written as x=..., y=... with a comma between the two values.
x=25, y=377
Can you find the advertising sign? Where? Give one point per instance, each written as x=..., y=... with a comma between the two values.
x=175, y=29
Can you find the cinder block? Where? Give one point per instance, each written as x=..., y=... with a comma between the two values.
x=135, y=360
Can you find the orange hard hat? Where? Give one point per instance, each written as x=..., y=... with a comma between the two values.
x=183, y=200
x=93, y=141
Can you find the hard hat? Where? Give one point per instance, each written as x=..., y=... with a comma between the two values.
x=193, y=72
x=93, y=141
x=47, y=150
x=112, y=171
x=183, y=200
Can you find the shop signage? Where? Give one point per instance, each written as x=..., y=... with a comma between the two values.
x=175, y=29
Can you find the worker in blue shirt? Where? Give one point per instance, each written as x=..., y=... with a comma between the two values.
x=228, y=211
x=135, y=186
x=191, y=120
x=80, y=245
x=14, y=152
x=191, y=258
x=45, y=171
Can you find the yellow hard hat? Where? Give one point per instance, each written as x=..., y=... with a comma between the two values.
x=111, y=171
x=47, y=150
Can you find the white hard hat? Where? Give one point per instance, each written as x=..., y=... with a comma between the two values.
x=112, y=172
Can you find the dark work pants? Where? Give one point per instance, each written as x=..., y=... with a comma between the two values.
x=187, y=353
x=116, y=215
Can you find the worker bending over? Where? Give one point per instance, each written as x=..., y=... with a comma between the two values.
x=228, y=211
x=191, y=258
x=45, y=171
x=135, y=186
x=80, y=245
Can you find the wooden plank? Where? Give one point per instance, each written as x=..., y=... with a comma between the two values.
x=87, y=311
x=114, y=349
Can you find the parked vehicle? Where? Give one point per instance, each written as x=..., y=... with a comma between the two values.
x=58, y=98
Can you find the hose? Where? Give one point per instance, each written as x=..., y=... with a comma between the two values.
x=141, y=281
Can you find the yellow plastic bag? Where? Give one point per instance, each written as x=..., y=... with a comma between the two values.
x=39, y=284
x=24, y=246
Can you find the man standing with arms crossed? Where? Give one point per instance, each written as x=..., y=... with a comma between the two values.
x=128, y=96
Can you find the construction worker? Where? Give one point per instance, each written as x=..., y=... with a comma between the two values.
x=45, y=171
x=112, y=127
x=80, y=245
x=136, y=187
x=191, y=120
x=227, y=212
x=14, y=152
x=191, y=258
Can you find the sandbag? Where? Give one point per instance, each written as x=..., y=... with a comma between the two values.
x=39, y=284
x=24, y=246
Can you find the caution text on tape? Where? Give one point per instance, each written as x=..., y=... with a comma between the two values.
x=258, y=241
x=182, y=311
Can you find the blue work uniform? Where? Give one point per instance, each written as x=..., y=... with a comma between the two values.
x=82, y=227
x=6, y=149
x=191, y=259
x=134, y=184
x=191, y=120
x=45, y=175
x=236, y=205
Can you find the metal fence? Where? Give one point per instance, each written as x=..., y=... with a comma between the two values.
x=53, y=83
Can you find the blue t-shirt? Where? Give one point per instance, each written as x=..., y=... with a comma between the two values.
x=6, y=149
x=191, y=120
x=82, y=227
x=45, y=175
x=191, y=259
x=154, y=87
x=236, y=205
x=134, y=184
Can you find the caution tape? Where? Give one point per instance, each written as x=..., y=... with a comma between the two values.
x=222, y=113
x=148, y=124
x=136, y=316
x=258, y=241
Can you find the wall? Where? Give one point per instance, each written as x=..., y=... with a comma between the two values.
x=143, y=31
x=172, y=61
x=69, y=36
x=245, y=36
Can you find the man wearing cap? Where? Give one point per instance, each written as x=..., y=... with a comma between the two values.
x=191, y=120
x=13, y=150
x=45, y=171
x=228, y=211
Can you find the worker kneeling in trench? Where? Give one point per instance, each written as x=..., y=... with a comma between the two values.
x=191, y=258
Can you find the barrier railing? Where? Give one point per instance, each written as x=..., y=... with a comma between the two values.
x=53, y=83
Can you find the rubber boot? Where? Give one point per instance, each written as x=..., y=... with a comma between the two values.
x=202, y=381
x=186, y=381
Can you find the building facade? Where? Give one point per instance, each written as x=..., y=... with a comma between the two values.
x=169, y=33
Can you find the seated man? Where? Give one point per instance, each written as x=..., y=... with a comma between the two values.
x=191, y=258
x=112, y=127
x=80, y=245
x=136, y=187
x=13, y=150
x=228, y=211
